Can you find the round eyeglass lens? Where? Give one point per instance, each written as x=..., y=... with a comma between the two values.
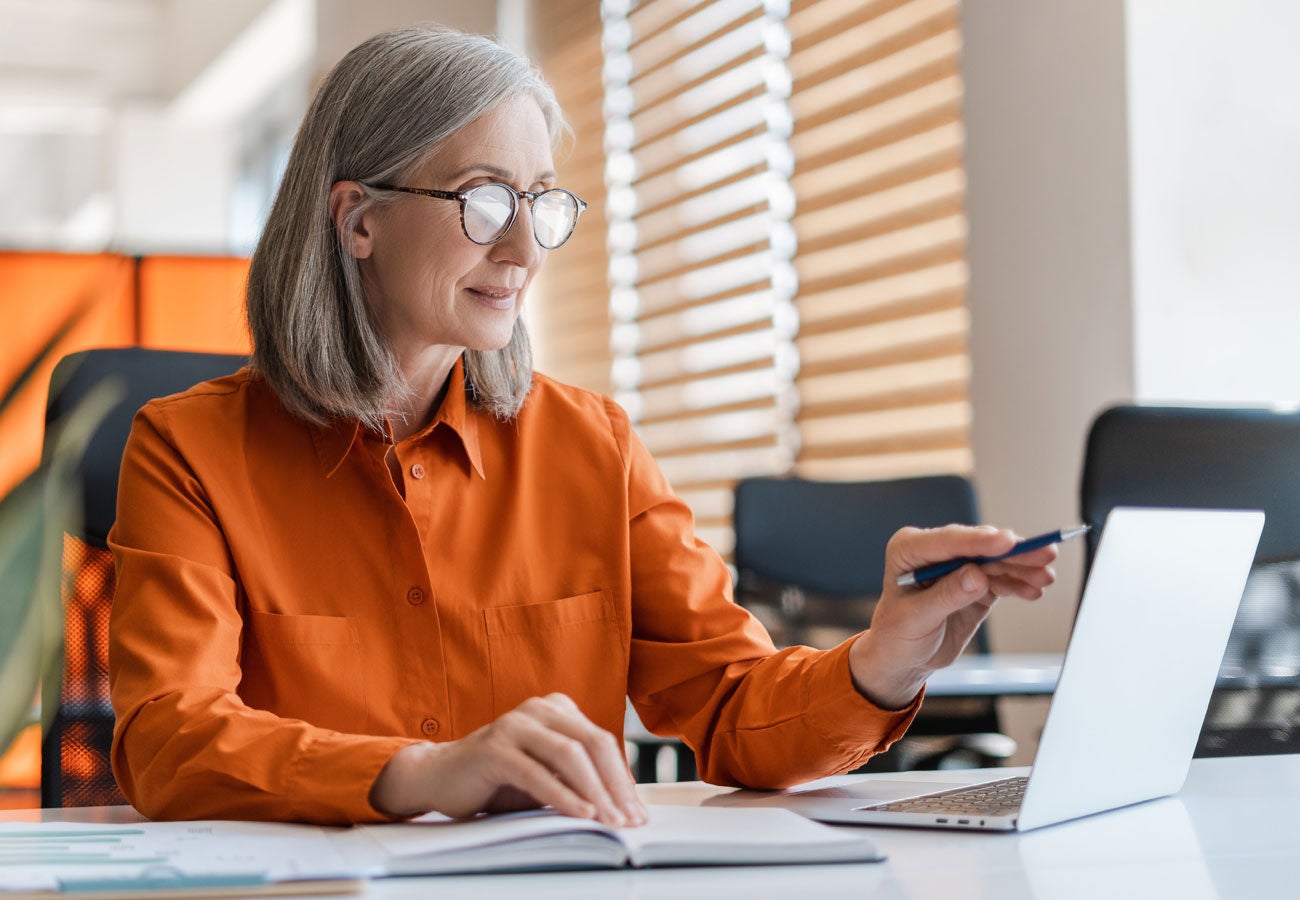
x=555, y=213
x=489, y=210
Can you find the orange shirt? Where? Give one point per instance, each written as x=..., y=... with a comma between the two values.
x=285, y=620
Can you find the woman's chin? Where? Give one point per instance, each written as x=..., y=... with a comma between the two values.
x=490, y=340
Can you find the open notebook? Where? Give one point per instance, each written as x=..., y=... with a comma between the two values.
x=543, y=840
x=221, y=859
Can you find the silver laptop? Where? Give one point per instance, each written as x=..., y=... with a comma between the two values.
x=1142, y=661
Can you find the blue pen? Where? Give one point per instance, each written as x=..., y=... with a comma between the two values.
x=938, y=570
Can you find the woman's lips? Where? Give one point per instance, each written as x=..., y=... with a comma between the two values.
x=495, y=297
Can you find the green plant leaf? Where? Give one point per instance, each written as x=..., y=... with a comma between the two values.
x=47, y=349
x=24, y=642
x=33, y=518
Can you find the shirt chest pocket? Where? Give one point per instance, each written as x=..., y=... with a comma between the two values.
x=574, y=646
x=304, y=667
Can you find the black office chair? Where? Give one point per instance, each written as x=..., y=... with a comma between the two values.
x=810, y=561
x=75, y=750
x=1221, y=458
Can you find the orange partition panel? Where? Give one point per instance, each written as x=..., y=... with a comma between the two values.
x=37, y=291
x=20, y=771
x=20, y=766
x=193, y=303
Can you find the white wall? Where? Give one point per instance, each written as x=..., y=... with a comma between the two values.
x=1214, y=137
x=62, y=66
x=196, y=32
x=172, y=182
x=1051, y=316
x=345, y=23
x=153, y=125
x=1134, y=208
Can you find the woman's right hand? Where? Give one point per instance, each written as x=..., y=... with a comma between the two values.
x=543, y=752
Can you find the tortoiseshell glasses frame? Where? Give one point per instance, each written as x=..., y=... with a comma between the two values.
x=552, y=228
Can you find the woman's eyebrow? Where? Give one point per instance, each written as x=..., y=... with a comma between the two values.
x=497, y=172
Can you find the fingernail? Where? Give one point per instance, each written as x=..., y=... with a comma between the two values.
x=969, y=580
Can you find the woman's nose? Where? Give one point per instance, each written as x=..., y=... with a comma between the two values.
x=519, y=244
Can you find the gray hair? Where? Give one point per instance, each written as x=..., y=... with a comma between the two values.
x=377, y=118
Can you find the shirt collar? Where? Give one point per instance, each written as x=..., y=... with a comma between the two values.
x=334, y=441
x=456, y=413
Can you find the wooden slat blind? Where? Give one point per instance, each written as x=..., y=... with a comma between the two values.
x=879, y=188
x=697, y=133
x=568, y=305
x=786, y=235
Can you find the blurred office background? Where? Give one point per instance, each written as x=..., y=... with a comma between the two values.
x=839, y=238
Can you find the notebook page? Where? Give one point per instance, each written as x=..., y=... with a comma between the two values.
x=435, y=843
x=692, y=835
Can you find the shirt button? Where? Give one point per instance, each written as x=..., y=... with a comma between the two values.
x=430, y=726
x=417, y=471
x=415, y=596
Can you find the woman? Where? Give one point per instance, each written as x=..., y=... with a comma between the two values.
x=386, y=569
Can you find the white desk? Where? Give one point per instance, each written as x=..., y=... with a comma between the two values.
x=1233, y=834
x=997, y=675
x=1029, y=674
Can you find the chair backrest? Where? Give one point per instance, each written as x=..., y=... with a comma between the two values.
x=1221, y=458
x=75, y=753
x=826, y=539
x=810, y=561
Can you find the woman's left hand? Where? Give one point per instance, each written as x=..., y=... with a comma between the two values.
x=916, y=630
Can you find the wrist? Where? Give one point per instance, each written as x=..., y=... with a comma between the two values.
x=399, y=790
x=889, y=685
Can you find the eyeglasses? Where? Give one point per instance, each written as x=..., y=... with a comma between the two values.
x=488, y=210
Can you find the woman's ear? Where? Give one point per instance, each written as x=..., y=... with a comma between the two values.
x=353, y=230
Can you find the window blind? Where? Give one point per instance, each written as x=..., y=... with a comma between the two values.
x=786, y=235
x=568, y=305
x=698, y=168
x=879, y=186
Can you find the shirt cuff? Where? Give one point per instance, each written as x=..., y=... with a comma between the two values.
x=334, y=774
x=839, y=712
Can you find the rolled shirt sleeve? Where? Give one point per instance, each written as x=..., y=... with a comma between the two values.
x=705, y=669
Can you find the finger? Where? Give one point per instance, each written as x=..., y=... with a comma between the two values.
x=552, y=736
x=954, y=592
x=912, y=548
x=604, y=751
x=1006, y=586
x=526, y=774
x=1043, y=556
x=607, y=755
x=1041, y=577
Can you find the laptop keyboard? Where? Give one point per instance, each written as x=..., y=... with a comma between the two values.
x=997, y=798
